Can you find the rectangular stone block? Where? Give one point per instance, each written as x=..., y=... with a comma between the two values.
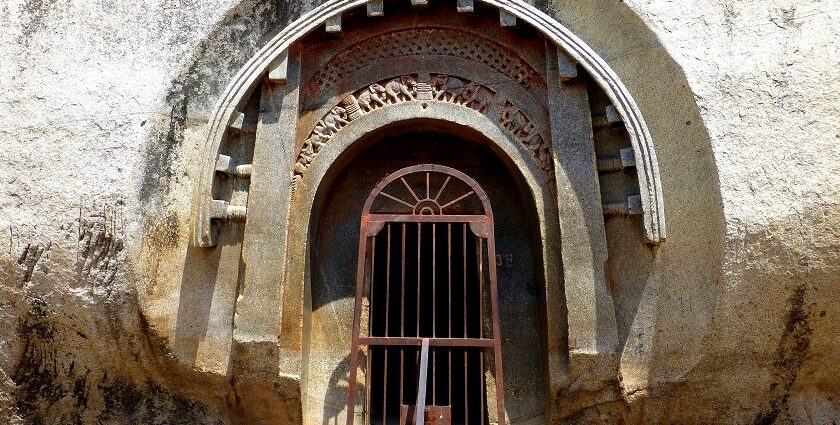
x=375, y=8
x=592, y=325
x=258, y=308
x=466, y=6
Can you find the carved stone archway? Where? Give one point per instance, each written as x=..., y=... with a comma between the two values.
x=308, y=97
x=273, y=59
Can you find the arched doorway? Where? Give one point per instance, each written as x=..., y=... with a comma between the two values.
x=434, y=228
x=520, y=282
x=309, y=100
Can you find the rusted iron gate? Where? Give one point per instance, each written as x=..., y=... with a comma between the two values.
x=421, y=297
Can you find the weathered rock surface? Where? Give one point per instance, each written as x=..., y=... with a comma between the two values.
x=103, y=111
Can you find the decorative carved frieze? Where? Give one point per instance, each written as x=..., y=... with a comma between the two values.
x=426, y=42
x=517, y=123
x=428, y=88
x=415, y=42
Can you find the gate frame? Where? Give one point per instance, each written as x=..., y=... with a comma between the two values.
x=482, y=225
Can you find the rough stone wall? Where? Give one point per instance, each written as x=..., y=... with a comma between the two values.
x=764, y=75
x=102, y=109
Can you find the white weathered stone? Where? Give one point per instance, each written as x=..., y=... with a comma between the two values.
x=333, y=24
x=376, y=8
x=105, y=116
x=278, y=71
x=506, y=19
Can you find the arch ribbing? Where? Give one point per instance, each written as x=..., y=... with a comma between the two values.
x=243, y=84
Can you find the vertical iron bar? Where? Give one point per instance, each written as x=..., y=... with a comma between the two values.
x=357, y=319
x=387, y=314
x=482, y=406
x=449, y=311
x=434, y=308
x=497, y=337
x=369, y=349
x=417, y=312
x=480, y=248
x=466, y=368
x=402, y=314
x=367, y=385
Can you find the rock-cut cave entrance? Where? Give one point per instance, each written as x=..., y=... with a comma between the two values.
x=452, y=259
x=423, y=288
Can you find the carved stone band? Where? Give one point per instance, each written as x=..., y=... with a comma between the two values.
x=428, y=42
x=426, y=88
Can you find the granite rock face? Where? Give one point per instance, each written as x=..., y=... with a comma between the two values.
x=104, y=113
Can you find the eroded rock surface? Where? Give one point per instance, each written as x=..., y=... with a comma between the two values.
x=104, y=109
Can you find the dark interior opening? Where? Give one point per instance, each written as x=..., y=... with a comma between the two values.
x=518, y=264
x=429, y=286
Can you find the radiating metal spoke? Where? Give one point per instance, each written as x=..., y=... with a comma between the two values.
x=398, y=200
x=410, y=189
x=457, y=199
x=443, y=186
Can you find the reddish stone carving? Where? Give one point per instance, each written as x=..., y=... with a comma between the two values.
x=424, y=87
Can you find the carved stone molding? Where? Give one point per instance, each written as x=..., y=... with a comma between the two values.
x=426, y=42
x=242, y=85
x=425, y=88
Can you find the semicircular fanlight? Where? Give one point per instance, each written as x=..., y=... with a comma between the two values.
x=427, y=189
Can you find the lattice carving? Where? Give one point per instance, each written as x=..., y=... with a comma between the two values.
x=429, y=88
x=426, y=42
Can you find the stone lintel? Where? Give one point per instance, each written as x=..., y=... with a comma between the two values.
x=625, y=161
x=628, y=158
x=225, y=211
x=630, y=206
x=591, y=317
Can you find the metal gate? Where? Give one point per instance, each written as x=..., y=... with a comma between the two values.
x=424, y=289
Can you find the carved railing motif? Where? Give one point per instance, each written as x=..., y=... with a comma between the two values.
x=429, y=88
x=427, y=42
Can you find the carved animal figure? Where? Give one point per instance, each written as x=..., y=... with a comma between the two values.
x=447, y=88
x=410, y=83
x=336, y=119
x=543, y=156
x=396, y=91
x=514, y=121
x=299, y=168
x=532, y=142
x=437, y=82
x=306, y=154
x=372, y=98
x=476, y=97
x=317, y=140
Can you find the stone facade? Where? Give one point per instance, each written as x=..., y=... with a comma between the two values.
x=135, y=266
